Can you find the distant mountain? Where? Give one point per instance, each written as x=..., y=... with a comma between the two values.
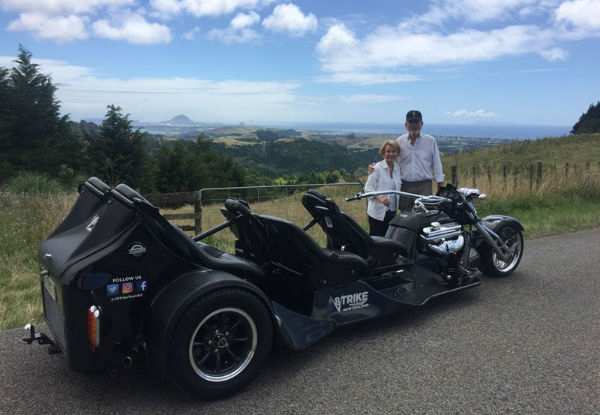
x=180, y=120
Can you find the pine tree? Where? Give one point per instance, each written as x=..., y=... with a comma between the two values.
x=33, y=134
x=117, y=153
x=588, y=122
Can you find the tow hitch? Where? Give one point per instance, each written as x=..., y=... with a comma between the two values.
x=41, y=338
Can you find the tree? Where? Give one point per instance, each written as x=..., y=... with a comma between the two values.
x=188, y=166
x=588, y=122
x=117, y=153
x=33, y=134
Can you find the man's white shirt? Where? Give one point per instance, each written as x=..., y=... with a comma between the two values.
x=420, y=161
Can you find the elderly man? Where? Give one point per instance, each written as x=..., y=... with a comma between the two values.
x=419, y=160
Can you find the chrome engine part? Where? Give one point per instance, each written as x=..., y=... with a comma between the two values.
x=449, y=247
x=444, y=238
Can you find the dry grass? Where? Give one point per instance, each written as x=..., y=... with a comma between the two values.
x=25, y=220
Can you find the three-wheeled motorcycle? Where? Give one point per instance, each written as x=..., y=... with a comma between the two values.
x=122, y=286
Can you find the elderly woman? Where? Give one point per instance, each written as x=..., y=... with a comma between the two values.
x=386, y=176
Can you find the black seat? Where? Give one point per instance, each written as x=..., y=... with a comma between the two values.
x=294, y=250
x=181, y=243
x=344, y=233
x=284, y=247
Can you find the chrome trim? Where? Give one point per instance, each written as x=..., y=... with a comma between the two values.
x=137, y=250
x=243, y=365
x=493, y=240
x=449, y=247
x=432, y=232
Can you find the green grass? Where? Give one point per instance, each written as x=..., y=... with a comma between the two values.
x=25, y=220
x=574, y=149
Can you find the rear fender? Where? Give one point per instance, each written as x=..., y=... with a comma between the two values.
x=173, y=300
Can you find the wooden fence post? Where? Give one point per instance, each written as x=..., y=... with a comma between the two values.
x=538, y=178
x=530, y=177
x=566, y=170
x=516, y=175
x=474, y=180
x=504, y=176
x=454, y=180
x=198, y=212
x=489, y=173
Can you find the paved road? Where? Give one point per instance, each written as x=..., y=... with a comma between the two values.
x=527, y=344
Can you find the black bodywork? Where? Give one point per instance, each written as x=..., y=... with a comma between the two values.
x=115, y=253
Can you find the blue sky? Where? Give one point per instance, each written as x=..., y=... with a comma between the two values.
x=458, y=61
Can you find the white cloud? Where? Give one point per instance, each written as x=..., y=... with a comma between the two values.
x=57, y=28
x=239, y=30
x=389, y=47
x=288, y=18
x=192, y=34
x=230, y=35
x=369, y=99
x=156, y=98
x=244, y=20
x=472, y=114
x=200, y=8
x=337, y=37
x=165, y=8
x=84, y=93
x=477, y=11
x=582, y=14
x=367, y=78
x=134, y=29
x=60, y=6
x=427, y=41
x=554, y=54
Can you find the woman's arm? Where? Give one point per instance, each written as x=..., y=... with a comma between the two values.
x=372, y=185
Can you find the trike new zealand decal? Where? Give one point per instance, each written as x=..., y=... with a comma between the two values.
x=348, y=302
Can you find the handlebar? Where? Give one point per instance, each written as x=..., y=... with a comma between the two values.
x=360, y=196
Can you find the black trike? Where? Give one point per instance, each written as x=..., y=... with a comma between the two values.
x=123, y=287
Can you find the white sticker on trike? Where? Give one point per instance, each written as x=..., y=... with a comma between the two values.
x=348, y=302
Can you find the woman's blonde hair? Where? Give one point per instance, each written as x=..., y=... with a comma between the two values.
x=392, y=143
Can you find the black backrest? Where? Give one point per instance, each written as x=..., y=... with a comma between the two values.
x=251, y=241
x=341, y=229
x=291, y=246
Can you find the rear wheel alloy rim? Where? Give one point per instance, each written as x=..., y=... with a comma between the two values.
x=223, y=344
x=513, y=241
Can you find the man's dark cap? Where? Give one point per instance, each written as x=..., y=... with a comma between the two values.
x=414, y=115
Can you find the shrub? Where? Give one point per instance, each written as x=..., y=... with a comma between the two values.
x=29, y=182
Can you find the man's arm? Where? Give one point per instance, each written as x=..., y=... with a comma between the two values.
x=438, y=172
x=371, y=168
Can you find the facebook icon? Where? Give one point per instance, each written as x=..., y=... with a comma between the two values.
x=141, y=286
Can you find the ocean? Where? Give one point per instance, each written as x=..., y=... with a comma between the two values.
x=446, y=130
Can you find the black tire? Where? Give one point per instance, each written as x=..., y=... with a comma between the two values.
x=490, y=264
x=221, y=343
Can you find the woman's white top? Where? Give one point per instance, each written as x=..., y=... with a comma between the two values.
x=378, y=181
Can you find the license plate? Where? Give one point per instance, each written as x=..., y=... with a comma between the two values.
x=50, y=286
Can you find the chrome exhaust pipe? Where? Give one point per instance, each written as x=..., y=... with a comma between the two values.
x=127, y=361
